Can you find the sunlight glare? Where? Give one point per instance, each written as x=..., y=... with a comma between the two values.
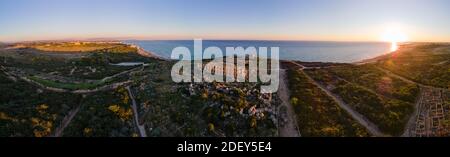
x=394, y=33
x=394, y=46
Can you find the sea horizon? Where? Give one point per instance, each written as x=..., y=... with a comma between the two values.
x=307, y=51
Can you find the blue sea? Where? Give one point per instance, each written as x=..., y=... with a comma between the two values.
x=307, y=51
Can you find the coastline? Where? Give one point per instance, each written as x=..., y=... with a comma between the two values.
x=372, y=60
x=141, y=51
x=144, y=52
x=401, y=47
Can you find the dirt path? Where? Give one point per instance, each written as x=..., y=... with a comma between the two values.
x=141, y=128
x=409, y=81
x=66, y=121
x=72, y=71
x=290, y=129
x=140, y=68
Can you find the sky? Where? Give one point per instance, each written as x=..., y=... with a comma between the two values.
x=329, y=20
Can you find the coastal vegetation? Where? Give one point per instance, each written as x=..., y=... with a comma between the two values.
x=428, y=64
x=201, y=109
x=103, y=114
x=317, y=114
x=28, y=111
x=384, y=100
x=34, y=103
x=80, y=89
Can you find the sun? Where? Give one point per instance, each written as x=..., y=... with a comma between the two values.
x=394, y=34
